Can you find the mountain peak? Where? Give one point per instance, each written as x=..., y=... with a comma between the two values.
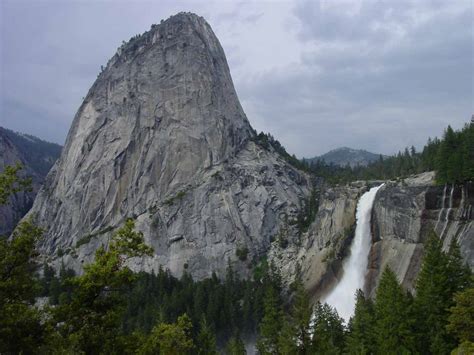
x=161, y=137
x=344, y=156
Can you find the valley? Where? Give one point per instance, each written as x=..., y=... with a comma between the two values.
x=167, y=217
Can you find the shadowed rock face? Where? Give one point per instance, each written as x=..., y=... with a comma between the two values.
x=402, y=218
x=403, y=215
x=319, y=252
x=36, y=157
x=161, y=137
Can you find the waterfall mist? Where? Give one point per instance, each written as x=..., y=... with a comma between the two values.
x=342, y=297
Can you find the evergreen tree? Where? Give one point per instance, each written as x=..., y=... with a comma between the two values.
x=90, y=322
x=360, y=337
x=48, y=276
x=20, y=328
x=301, y=318
x=170, y=339
x=393, y=333
x=206, y=340
x=461, y=318
x=11, y=183
x=235, y=346
x=328, y=330
x=460, y=275
x=440, y=277
x=271, y=323
x=467, y=147
x=287, y=342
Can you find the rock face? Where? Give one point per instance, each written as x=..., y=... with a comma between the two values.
x=403, y=216
x=320, y=251
x=161, y=137
x=36, y=157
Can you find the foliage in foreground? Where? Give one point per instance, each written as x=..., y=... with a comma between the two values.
x=94, y=313
x=451, y=157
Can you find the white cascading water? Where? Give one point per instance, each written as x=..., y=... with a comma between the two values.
x=342, y=297
x=442, y=208
x=448, y=212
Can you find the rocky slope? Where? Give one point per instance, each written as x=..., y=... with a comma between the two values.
x=318, y=253
x=161, y=137
x=404, y=213
x=37, y=157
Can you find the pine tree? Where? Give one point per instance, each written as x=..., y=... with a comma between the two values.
x=301, y=317
x=271, y=323
x=328, y=331
x=11, y=183
x=20, y=328
x=287, y=342
x=206, y=339
x=360, y=337
x=90, y=322
x=440, y=277
x=461, y=317
x=170, y=339
x=392, y=320
x=235, y=346
x=468, y=153
x=460, y=275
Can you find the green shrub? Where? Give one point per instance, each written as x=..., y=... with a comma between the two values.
x=242, y=253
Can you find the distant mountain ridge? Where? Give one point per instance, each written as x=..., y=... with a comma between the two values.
x=37, y=157
x=347, y=156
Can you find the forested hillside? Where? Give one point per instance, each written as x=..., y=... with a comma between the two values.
x=452, y=157
x=158, y=313
x=35, y=153
x=346, y=156
x=36, y=158
x=109, y=309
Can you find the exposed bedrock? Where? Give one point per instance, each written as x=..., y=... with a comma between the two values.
x=404, y=214
x=161, y=138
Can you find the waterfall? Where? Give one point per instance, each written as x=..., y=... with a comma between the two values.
x=449, y=212
x=442, y=208
x=342, y=297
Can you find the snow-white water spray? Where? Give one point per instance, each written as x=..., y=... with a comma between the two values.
x=342, y=297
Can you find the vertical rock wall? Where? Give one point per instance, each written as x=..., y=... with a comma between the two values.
x=403, y=216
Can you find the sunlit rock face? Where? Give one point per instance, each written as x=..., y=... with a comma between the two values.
x=161, y=138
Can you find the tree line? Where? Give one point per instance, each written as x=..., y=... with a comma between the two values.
x=451, y=157
x=110, y=309
x=437, y=319
x=217, y=314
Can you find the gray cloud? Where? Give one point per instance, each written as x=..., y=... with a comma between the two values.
x=378, y=75
x=373, y=76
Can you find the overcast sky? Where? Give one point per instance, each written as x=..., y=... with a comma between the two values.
x=377, y=75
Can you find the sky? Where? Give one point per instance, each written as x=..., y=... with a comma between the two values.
x=317, y=75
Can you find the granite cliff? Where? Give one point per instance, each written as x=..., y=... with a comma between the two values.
x=161, y=138
x=405, y=213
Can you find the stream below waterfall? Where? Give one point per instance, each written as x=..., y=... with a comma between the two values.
x=342, y=297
